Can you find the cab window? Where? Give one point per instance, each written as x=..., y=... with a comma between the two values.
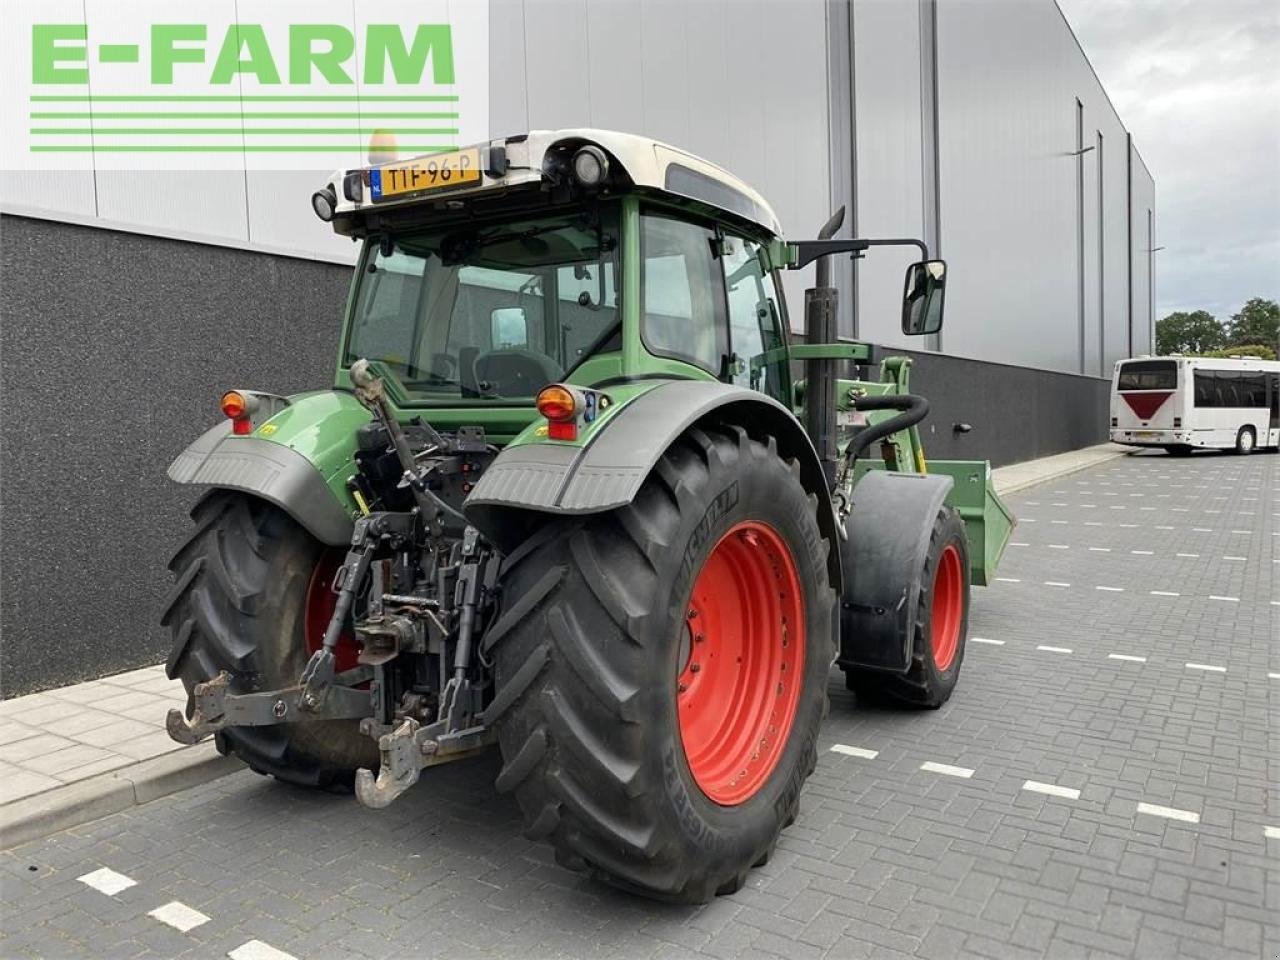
x=682, y=306
x=755, y=321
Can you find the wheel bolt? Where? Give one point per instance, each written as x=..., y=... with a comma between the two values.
x=691, y=614
x=695, y=667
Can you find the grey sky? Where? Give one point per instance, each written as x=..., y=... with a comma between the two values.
x=1197, y=83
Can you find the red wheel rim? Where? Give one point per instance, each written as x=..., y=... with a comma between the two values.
x=318, y=611
x=741, y=663
x=947, y=609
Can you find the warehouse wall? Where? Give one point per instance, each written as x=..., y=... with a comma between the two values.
x=114, y=349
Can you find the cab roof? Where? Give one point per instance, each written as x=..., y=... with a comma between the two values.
x=544, y=158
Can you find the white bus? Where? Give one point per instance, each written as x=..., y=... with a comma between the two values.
x=1191, y=403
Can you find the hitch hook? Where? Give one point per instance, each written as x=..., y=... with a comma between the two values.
x=402, y=753
x=209, y=715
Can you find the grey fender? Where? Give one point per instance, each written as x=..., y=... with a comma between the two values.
x=267, y=470
x=550, y=479
x=888, y=531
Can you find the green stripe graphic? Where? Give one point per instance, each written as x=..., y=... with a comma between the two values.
x=231, y=131
x=212, y=148
x=39, y=115
x=248, y=98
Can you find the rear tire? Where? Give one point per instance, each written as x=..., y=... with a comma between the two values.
x=940, y=631
x=589, y=649
x=1246, y=441
x=238, y=605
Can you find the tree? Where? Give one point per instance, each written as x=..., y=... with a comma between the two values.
x=1259, y=350
x=1195, y=332
x=1257, y=322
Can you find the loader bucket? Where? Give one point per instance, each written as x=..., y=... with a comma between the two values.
x=986, y=518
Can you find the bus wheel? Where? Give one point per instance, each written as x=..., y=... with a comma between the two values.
x=1245, y=441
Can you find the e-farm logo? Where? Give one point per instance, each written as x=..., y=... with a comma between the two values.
x=148, y=79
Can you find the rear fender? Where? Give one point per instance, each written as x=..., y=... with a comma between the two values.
x=532, y=482
x=888, y=531
x=298, y=460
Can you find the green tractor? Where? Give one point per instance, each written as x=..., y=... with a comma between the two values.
x=568, y=494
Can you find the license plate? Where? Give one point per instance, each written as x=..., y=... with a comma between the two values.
x=1147, y=433
x=426, y=173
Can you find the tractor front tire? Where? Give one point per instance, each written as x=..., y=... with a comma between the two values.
x=242, y=583
x=940, y=630
x=662, y=671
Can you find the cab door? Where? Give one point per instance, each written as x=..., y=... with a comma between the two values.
x=755, y=320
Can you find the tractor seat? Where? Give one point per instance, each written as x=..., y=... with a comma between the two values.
x=516, y=372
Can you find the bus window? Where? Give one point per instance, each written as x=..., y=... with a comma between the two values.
x=1148, y=375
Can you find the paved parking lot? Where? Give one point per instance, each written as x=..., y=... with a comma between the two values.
x=1105, y=782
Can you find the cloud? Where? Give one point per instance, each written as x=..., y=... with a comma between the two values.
x=1197, y=84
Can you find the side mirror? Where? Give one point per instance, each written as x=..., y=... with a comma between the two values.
x=508, y=328
x=922, y=297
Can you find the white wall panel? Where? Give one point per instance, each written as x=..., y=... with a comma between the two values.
x=889, y=176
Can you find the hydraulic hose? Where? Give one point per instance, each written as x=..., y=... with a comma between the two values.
x=914, y=409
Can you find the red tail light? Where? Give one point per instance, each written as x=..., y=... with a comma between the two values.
x=238, y=408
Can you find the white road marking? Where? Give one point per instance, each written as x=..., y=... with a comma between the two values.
x=1191, y=556
x=946, y=769
x=1016, y=543
x=849, y=751
x=257, y=950
x=1051, y=789
x=1033, y=503
x=179, y=916
x=1273, y=676
x=1056, y=583
x=1026, y=519
x=1164, y=593
x=1271, y=833
x=1160, y=527
x=1172, y=813
x=1127, y=526
x=1179, y=509
x=1206, y=666
x=1094, y=523
x=1201, y=530
x=1245, y=532
x=1143, y=553
x=1100, y=549
x=1214, y=596
x=1059, y=546
x=1240, y=559
x=1058, y=504
x=994, y=643
x=1058, y=521
x=1048, y=649
x=1008, y=579
x=107, y=881
x=1128, y=657
x=1111, y=589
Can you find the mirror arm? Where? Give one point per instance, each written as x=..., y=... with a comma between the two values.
x=807, y=251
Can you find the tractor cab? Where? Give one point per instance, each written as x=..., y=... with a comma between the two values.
x=588, y=257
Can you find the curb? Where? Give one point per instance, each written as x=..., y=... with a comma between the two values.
x=33, y=818
x=1077, y=465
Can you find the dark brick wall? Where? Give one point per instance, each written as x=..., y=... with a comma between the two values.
x=113, y=351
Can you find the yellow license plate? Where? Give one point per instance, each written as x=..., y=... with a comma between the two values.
x=1146, y=433
x=426, y=173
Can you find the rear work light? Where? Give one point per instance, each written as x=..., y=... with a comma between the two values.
x=238, y=408
x=561, y=406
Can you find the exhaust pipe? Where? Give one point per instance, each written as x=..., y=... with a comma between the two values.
x=820, y=326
